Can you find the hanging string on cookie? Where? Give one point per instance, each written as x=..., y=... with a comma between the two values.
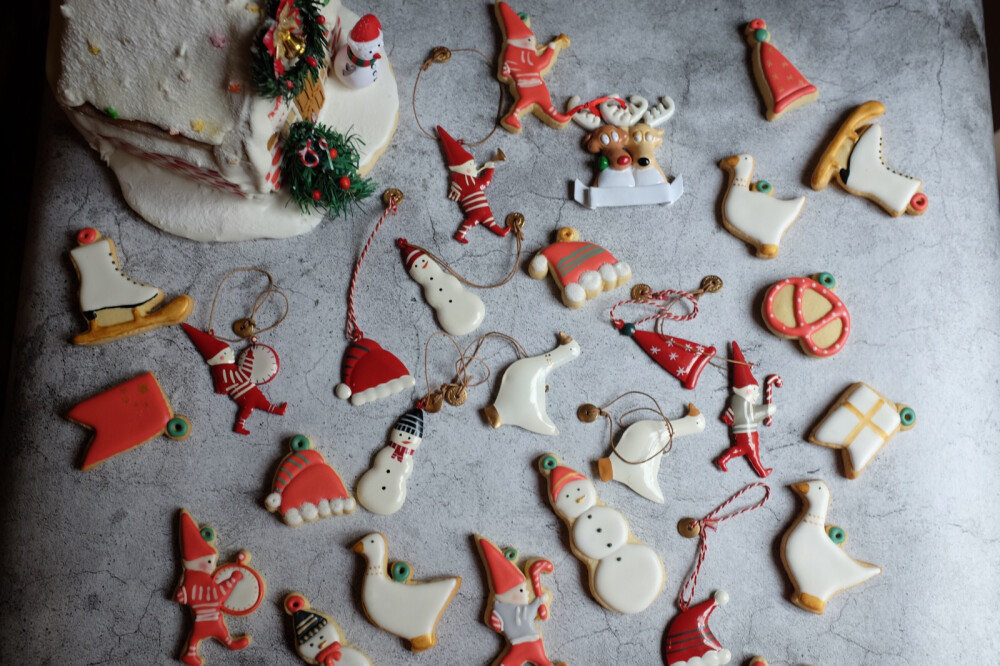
x=455, y=390
x=589, y=413
x=515, y=222
x=246, y=327
x=701, y=528
x=663, y=302
x=391, y=198
x=442, y=54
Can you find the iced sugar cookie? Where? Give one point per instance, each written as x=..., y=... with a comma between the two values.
x=213, y=592
x=744, y=416
x=458, y=310
x=751, y=212
x=854, y=156
x=306, y=487
x=394, y=603
x=813, y=553
x=513, y=606
x=127, y=416
x=625, y=574
x=581, y=270
x=807, y=310
x=781, y=85
x=860, y=423
x=115, y=305
x=382, y=489
x=319, y=640
x=468, y=184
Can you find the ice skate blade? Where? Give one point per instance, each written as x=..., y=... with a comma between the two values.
x=173, y=312
x=831, y=161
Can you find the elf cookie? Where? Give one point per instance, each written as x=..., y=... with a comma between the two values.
x=813, y=553
x=521, y=398
x=807, y=310
x=458, y=310
x=751, y=212
x=468, y=186
x=115, y=305
x=394, y=603
x=382, y=489
x=512, y=609
x=127, y=416
x=581, y=270
x=744, y=415
x=635, y=460
x=781, y=85
x=213, y=592
x=523, y=66
x=854, y=156
x=319, y=640
x=306, y=487
x=860, y=423
x=626, y=575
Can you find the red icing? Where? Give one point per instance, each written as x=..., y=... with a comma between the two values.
x=805, y=330
x=689, y=636
x=317, y=482
x=571, y=259
x=683, y=359
x=87, y=235
x=123, y=417
x=785, y=82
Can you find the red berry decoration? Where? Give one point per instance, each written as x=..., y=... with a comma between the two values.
x=321, y=19
x=311, y=61
x=316, y=195
x=333, y=153
x=289, y=84
x=344, y=182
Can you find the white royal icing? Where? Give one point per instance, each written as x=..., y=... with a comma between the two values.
x=757, y=215
x=458, y=310
x=836, y=428
x=869, y=175
x=382, y=489
x=102, y=283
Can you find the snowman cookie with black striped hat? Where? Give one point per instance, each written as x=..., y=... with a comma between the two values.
x=382, y=489
x=319, y=640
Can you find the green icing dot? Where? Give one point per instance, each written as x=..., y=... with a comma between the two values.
x=763, y=186
x=827, y=280
x=208, y=534
x=550, y=462
x=603, y=163
x=400, y=572
x=627, y=329
x=301, y=443
x=837, y=535
x=510, y=554
x=907, y=416
x=760, y=34
x=177, y=427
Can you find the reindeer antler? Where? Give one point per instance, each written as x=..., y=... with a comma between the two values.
x=660, y=113
x=614, y=114
x=585, y=118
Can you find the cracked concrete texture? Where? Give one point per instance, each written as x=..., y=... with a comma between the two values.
x=89, y=560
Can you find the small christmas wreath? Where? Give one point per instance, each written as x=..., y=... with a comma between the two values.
x=321, y=168
x=289, y=47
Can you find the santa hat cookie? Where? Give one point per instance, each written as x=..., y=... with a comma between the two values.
x=691, y=642
x=369, y=373
x=306, y=487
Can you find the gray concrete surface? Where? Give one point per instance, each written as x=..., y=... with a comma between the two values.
x=90, y=560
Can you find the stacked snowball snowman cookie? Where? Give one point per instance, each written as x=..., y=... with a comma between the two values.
x=345, y=79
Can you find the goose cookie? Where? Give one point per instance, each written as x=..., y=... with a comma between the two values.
x=127, y=416
x=513, y=606
x=306, y=487
x=854, y=157
x=395, y=603
x=781, y=85
x=581, y=270
x=319, y=640
x=860, y=423
x=807, y=310
x=751, y=212
x=813, y=552
x=625, y=574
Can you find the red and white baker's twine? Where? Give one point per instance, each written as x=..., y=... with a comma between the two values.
x=770, y=383
x=671, y=296
x=354, y=332
x=711, y=522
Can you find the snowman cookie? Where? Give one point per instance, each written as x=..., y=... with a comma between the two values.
x=306, y=487
x=807, y=310
x=626, y=575
x=458, y=310
x=382, y=489
x=319, y=640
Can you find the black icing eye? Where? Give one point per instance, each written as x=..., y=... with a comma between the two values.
x=598, y=530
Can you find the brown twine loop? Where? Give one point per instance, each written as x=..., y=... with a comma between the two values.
x=455, y=391
x=258, y=303
x=442, y=54
x=515, y=221
x=589, y=413
x=710, y=284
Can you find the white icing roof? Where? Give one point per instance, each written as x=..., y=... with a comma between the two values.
x=156, y=61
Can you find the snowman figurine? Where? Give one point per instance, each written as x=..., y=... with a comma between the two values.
x=382, y=489
x=626, y=575
x=459, y=311
x=356, y=63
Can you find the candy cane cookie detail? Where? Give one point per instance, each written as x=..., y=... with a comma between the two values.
x=807, y=310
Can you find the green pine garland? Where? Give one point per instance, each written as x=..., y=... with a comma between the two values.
x=332, y=184
x=262, y=63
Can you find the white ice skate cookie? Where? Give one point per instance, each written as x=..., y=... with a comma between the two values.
x=813, y=553
x=521, y=398
x=625, y=574
x=854, y=156
x=860, y=423
x=115, y=305
x=751, y=212
x=395, y=603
